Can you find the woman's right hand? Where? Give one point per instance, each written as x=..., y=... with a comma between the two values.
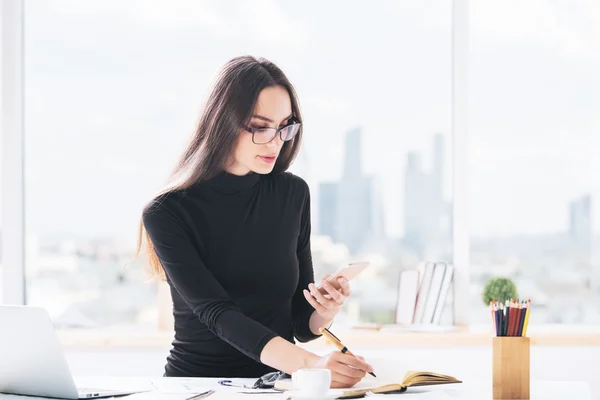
x=346, y=370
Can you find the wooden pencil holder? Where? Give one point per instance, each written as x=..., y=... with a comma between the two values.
x=511, y=367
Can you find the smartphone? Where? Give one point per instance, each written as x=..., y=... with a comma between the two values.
x=348, y=271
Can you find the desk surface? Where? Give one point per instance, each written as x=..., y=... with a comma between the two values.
x=543, y=390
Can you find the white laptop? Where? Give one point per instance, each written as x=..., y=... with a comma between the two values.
x=31, y=358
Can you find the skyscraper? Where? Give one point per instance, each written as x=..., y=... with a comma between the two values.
x=328, y=202
x=354, y=210
x=427, y=221
x=417, y=194
x=350, y=211
x=352, y=168
x=377, y=212
x=580, y=228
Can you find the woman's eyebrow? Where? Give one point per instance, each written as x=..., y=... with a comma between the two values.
x=269, y=119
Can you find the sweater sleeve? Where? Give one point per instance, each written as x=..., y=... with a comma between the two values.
x=188, y=274
x=301, y=309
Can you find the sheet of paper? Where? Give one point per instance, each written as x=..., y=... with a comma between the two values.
x=196, y=385
x=191, y=386
x=158, y=396
x=180, y=387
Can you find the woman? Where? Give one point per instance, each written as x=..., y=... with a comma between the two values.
x=231, y=235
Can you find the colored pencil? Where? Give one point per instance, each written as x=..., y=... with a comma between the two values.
x=506, y=315
x=502, y=319
x=511, y=317
x=526, y=322
x=523, y=307
x=493, y=315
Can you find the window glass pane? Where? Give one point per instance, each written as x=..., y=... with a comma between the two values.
x=113, y=89
x=534, y=142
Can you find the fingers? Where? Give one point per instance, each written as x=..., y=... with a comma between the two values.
x=354, y=361
x=345, y=375
x=327, y=296
x=319, y=296
x=318, y=307
x=348, y=371
x=335, y=294
x=342, y=381
x=345, y=286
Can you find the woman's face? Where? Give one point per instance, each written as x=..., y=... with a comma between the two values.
x=273, y=110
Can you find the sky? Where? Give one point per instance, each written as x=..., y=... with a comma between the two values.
x=114, y=88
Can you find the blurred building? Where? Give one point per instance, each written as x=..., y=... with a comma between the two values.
x=580, y=228
x=580, y=238
x=350, y=210
x=328, y=200
x=427, y=216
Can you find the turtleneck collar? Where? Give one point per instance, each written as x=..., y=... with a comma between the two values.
x=228, y=183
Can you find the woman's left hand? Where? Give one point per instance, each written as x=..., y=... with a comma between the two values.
x=327, y=306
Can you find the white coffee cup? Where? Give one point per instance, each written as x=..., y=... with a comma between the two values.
x=312, y=381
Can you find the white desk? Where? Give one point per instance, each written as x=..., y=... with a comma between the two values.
x=540, y=390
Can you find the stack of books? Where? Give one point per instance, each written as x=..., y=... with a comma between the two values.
x=423, y=295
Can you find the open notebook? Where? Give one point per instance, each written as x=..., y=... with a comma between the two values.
x=412, y=378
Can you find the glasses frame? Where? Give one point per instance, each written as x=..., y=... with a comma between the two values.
x=266, y=381
x=252, y=130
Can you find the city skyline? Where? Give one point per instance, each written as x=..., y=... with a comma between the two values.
x=429, y=216
x=350, y=213
x=416, y=158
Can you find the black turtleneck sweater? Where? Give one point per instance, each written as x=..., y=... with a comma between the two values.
x=236, y=252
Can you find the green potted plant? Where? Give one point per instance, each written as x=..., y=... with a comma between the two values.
x=499, y=289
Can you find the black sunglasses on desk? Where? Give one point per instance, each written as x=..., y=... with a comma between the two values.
x=266, y=381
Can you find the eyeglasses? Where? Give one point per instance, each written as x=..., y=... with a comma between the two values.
x=263, y=135
x=266, y=381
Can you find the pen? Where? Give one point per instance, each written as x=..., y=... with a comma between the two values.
x=339, y=344
x=201, y=395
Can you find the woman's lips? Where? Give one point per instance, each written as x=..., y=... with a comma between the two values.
x=268, y=159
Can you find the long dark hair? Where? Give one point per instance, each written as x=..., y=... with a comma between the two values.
x=228, y=107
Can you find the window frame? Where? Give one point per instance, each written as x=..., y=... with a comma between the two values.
x=12, y=186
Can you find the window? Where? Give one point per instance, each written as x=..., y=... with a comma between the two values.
x=113, y=89
x=533, y=126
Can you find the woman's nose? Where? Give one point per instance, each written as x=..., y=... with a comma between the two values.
x=276, y=142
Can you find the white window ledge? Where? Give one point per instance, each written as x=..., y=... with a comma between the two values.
x=386, y=337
